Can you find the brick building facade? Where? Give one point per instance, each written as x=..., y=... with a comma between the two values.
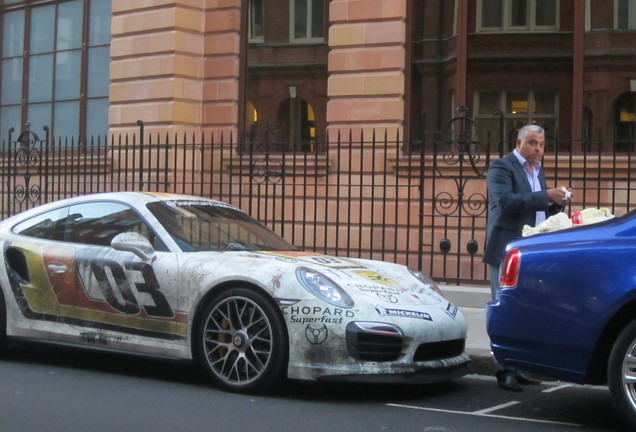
x=312, y=67
x=377, y=65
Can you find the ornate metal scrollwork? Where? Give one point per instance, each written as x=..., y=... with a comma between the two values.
x=446, y=205
x=460, y=158
x=457, y=144
x=263, y=140
x=27, y=161
x=27, y=193
x=267, y=171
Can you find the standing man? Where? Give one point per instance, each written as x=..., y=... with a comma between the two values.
x=517, y=195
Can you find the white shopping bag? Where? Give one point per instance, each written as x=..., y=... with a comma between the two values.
x=556, y=222
x=561, y=221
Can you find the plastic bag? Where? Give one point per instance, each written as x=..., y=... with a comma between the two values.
x=556, y=222
x=561, y=221
x=594, y=215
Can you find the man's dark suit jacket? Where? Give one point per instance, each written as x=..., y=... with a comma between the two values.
x=512, y=204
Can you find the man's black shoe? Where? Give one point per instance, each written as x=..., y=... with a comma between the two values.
x=508, y=381
x=525, y=379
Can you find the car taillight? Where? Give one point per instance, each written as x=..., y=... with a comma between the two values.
x=510, y=269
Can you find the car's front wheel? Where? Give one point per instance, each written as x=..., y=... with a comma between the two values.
x=622, y=374
x=242, y=341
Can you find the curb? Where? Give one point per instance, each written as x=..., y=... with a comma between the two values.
x=482, y=362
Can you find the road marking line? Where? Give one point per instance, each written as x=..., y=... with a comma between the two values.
x=553, y=389
x=495, y=408
x=484, y=415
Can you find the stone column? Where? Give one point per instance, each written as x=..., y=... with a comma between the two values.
x=367, y=62
x=174, y=64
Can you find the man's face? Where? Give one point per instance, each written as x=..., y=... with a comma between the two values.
x=532, y=147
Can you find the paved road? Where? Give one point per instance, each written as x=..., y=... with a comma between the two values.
x=52, y=389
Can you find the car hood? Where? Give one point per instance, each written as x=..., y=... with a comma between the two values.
x=361, y=279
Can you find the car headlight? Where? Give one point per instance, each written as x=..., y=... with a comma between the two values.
x=425, y=280
x=323, y=288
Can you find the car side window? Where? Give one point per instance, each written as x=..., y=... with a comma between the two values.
x=98, y=223
x=50, y=225
x=94, y=223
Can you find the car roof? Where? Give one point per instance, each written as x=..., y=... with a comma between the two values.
x=129, y=197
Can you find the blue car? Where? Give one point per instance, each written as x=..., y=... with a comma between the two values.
x=566, y=308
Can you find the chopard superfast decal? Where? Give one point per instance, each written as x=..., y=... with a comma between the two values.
x=93, y=290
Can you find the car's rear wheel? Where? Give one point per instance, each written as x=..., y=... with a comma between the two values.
x=242, y=341
x=622, y=374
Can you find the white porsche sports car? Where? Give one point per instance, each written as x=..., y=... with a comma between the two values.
x=192, y=278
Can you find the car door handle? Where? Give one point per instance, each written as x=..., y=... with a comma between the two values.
x=58, y=268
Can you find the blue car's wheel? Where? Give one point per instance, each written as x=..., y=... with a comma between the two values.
x=622, y=374
x=243, y=341
x=3, y=324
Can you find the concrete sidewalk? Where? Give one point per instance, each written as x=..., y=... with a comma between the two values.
x=472, y=300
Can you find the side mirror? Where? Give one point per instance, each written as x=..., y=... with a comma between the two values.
x=135, y=243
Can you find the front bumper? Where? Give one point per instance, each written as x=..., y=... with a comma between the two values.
x=422, y=373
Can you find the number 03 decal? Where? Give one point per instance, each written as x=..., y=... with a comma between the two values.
x=127, y=302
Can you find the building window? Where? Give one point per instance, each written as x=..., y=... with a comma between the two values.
x=256, y=32
x=517, y=15
x=624, y=121
x=625, y=14
x=55, y=68
x=307, y=20
x=519, y=108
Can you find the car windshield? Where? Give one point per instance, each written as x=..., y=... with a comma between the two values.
x=209, y=226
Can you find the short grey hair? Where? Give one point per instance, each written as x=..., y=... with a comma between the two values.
x=523, y=132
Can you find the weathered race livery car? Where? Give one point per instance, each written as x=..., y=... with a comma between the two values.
x=192, y=278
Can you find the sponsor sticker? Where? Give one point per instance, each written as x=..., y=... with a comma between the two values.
x=389, y=298
x=316, y=315
x=403, y=313
x=451, y=310
x=316, y=335
x=377, y=277
x=322, y=260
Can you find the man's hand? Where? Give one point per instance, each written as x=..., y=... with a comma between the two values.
x=560, y=196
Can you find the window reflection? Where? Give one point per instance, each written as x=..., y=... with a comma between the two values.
x=61, y=46
x=308, y=19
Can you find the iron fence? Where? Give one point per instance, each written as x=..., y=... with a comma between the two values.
x=421, y=203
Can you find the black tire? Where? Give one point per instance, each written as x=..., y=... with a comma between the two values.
x=242, y=341
x=621, y=374
x=3, y=324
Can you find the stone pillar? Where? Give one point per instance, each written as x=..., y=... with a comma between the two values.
x=222, y=71
x=367, y=62
x=174, y=64
x=578, y=67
